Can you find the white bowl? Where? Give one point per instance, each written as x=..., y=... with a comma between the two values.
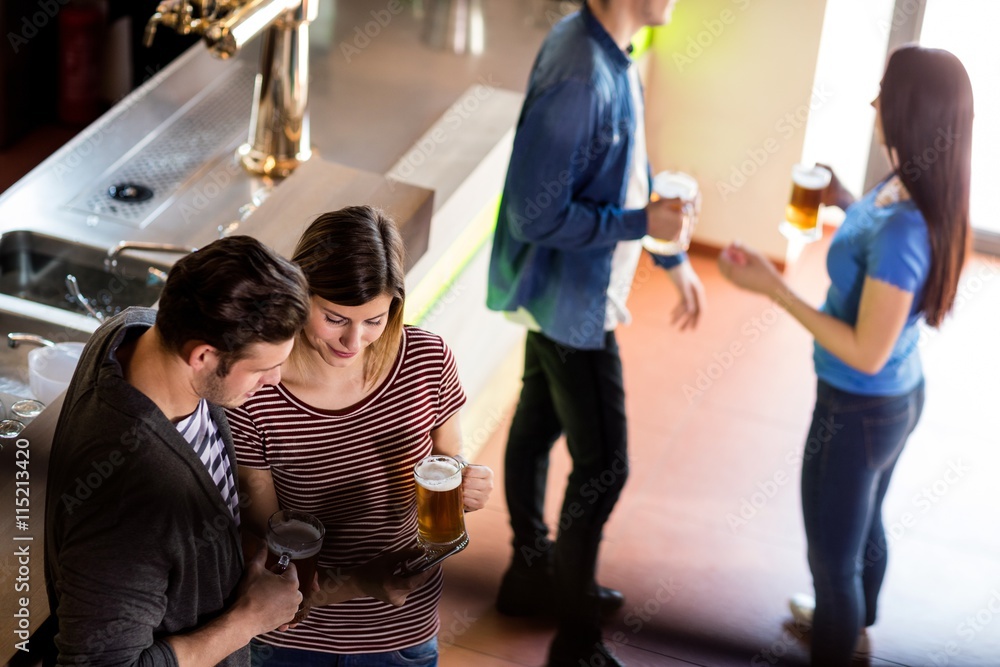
x=51, y=368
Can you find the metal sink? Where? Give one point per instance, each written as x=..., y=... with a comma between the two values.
x=14, y=360
x=35, y=267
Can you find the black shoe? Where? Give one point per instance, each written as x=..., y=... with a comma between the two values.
x=609, y=600
x=575, y=651
x=525, y=594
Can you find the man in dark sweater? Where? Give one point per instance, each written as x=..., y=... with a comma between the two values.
x=142, y=556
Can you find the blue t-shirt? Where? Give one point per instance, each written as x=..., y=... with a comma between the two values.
x=890, y=244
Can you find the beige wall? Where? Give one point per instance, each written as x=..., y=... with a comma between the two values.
x=729, y=86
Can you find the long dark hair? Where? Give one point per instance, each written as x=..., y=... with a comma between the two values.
x=926, y=108
x=351, y=256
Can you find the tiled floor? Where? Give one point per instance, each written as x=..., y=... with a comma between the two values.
x=707, y=542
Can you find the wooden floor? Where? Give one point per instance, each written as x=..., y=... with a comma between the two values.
x=707, y=541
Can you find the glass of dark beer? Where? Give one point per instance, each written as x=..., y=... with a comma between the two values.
x=295, y=537
x=440, y=513
x=802, y=212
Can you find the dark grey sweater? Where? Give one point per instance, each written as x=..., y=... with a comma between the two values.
x=138, y=542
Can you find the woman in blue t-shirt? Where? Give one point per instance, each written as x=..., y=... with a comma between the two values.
x=895, y=260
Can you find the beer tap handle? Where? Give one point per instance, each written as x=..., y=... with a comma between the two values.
x=150, y=33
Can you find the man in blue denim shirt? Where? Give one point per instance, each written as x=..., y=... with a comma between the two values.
x=574, y=206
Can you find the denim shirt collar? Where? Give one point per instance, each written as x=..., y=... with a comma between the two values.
x=615, y=55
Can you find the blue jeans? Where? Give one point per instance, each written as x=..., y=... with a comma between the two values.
x=853, y=445
x=265, y=655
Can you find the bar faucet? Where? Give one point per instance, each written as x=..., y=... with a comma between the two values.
x=111, y=261
x=279, y=120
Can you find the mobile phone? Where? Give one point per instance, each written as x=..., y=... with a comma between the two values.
x=428, y=560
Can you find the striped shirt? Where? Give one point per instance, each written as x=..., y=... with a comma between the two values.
x=353, y=469
x=201, y=432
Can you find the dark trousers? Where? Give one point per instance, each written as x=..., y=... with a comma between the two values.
x=579, y=393
x=852, y=448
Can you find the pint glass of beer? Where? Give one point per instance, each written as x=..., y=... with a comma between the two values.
x=440, y=514
x=674, y=185
x=295, y=537
x=802, y=212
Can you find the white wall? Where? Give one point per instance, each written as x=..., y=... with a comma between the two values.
x=852, y=55
x=966, y=28
x=729, y=87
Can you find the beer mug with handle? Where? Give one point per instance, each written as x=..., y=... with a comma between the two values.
x=802, y=212
x=294, y=537
x=440, y=511
x=675, y=185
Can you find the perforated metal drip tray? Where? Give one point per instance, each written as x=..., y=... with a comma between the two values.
x=34, y=267
x=147, y=178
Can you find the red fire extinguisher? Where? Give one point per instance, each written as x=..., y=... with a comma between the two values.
x=81, y=30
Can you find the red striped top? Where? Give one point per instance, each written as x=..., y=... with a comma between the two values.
x=353, y=469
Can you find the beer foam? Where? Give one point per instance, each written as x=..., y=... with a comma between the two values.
x=811, y=178
x=298, y=538
x=675, y=184
x=437, y=475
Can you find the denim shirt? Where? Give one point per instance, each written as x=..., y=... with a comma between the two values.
x=561, y=211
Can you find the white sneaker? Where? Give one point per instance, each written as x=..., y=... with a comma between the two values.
x=802, y=607
x=863, y=645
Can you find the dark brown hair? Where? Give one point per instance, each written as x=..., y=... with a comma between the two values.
x=230, y=294
x=926, y=108
x=350, y=257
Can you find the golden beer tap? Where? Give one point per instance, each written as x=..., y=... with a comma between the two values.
x=279, y=121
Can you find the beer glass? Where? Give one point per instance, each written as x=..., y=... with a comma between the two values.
x=440, y=513
x=802, y=211
x=295, y=537
x=671, y=185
